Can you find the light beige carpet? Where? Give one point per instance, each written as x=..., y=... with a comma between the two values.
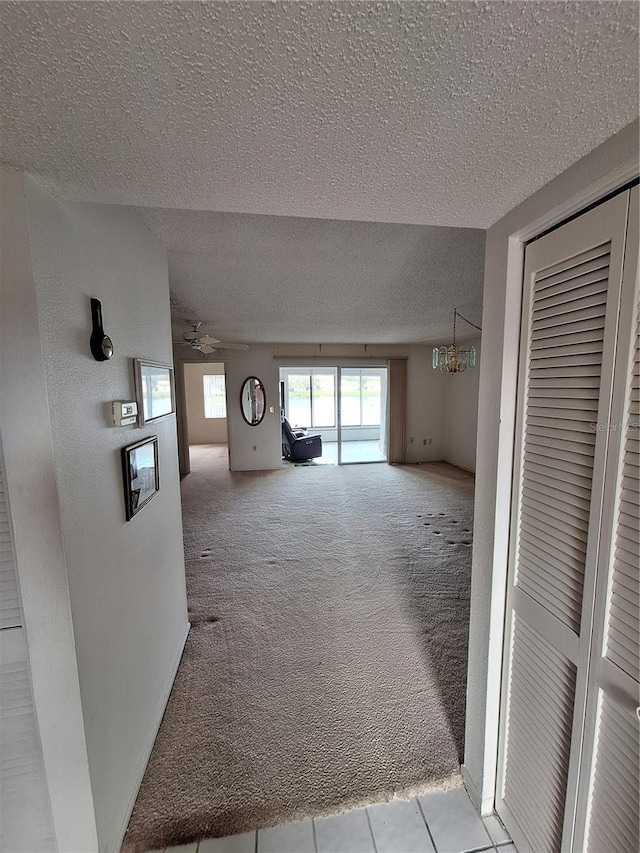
x=326, y=663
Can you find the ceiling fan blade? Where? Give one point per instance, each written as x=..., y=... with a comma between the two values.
x=223, y=345
x=208, y=340
x=207, y=348
x=180, y=341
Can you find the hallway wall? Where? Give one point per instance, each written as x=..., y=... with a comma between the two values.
x=461, y=414
x=126, y=580
x=265, y=437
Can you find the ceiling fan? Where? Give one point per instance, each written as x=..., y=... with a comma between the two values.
x=205, y=343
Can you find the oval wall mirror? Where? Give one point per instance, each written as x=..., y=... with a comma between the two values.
x=253, y=401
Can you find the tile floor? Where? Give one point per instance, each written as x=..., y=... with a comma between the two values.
x=439, y=822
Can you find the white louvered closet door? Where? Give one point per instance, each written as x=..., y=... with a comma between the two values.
x=571, y=310
x=10, y=615
x=26, y=824
x=609, y=793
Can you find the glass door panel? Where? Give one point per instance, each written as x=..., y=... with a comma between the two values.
x=346, y=406
x=323, y=400
x=362, y=411
x=371, y=400
x=298, y=399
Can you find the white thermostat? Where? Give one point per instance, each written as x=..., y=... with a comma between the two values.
x=124, y=414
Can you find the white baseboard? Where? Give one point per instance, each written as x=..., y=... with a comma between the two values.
x=151, y=738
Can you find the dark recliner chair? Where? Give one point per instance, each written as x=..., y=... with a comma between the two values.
x=297, y=446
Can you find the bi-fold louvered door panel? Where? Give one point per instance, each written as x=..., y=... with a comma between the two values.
x=570, y=318
x=608, y=809
x=10, y=616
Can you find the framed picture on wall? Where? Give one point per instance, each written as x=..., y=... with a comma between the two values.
x=140, y=473
x=155, y=390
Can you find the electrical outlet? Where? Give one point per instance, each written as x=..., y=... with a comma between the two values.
x=429, y=442
x=255, y=448
x=410, y=441
x=424, y=440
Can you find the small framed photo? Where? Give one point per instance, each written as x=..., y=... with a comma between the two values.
x=155, y=391
x=141, y=476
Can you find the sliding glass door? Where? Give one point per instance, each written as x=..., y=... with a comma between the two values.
x=347, y=406
x=362, y=410
x=310, y=398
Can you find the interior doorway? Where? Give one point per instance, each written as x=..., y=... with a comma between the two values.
x=346, y=406
x=206, y=404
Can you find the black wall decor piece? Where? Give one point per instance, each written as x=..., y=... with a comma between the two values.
x=141, y=474
x=100, y=343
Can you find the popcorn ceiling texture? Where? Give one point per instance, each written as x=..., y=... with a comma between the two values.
x=426, y=113
x=291, y=279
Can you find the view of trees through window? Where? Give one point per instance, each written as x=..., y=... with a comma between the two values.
x=215, y=398
x=311, y=397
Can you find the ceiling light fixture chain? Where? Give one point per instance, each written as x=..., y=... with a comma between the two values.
x=479, y=328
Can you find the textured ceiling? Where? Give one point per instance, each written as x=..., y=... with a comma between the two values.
x=247, y=133
x=290, y=279
x=427, y=113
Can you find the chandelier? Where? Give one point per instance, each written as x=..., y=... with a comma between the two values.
x=452, y=358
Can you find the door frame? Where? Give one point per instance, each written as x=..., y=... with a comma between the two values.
x=588, y=182
x=182, y=431
x=340, y=364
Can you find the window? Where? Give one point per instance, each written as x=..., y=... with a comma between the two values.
x=350, y=398
x=299, y=399
x=215, y=396
x=323, y=400
x=370, y=399
x=361, y=396
x=311, y=398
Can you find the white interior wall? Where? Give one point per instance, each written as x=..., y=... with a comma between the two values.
x=461, y=414
x=425, y=398
x=607, y=167
x=126, y=580
x=266, y=436
x=426, y=390
x=201, y=430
